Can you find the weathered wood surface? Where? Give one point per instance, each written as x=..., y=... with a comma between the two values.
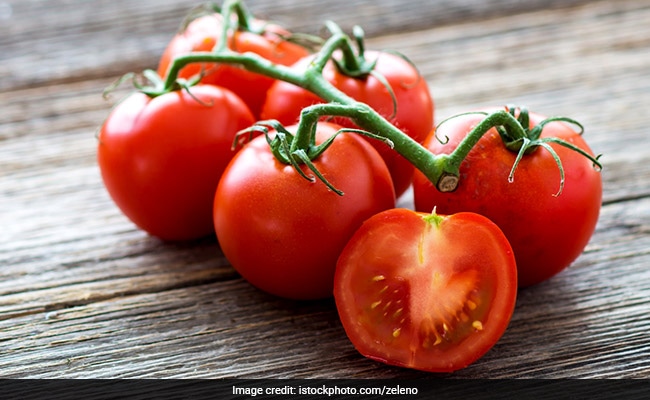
x=85, y=294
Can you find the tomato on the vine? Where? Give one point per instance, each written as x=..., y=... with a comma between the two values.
x=202, y=34
x=409, y=106
x=426, y=291
x=161, y=158
x=283, y=233
x=548, y=228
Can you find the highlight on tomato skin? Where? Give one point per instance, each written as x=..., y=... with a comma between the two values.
x=426, y=291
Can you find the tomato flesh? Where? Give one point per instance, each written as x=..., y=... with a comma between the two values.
x=432, y=293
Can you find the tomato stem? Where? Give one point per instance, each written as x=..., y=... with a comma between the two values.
x=351, y=61
x=495, y=119
x=243, y=21
x=442, y=170
x=376, y=126
x=517, y=137
x=432, y=166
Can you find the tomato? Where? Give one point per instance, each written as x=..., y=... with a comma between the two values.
x=413, y=115
x=426, y=291
x=202, y=34
x=161, y=158
x=284, y=233
x=547, y=230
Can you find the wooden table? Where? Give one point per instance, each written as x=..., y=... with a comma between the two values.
x=84, y=294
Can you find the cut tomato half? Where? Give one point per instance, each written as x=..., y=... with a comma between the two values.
x=425, y=291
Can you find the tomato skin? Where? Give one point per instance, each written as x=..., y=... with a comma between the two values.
x=202, y=34
x=547, y=232
x=424, y=294
x=415, y=106
x=283, y=233
x=161, y=158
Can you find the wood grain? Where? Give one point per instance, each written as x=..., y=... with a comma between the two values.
x=83, y=293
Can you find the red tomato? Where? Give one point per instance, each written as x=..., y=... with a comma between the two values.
x=202, y=35
x=414, y=113
x=547, y=231
x=426, y=291
x=284, y=233
x=161, y=158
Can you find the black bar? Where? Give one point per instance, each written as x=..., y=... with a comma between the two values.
x=226, y=389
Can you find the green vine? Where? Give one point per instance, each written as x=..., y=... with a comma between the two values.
x=512, y=124
x=299, y=148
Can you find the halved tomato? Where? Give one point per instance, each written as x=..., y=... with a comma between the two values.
x=426, y=291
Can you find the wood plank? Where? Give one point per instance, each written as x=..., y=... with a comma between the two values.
x=575, y=325
x=72, y=40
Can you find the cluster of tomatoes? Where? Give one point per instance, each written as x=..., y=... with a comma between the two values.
x=415, y=288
